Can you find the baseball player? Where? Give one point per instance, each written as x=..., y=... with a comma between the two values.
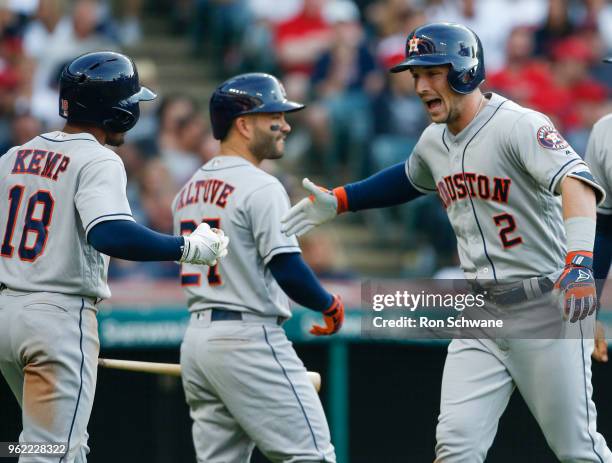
x=499, y=170
x=243, y=381
x=599, y=159
x=65, y=211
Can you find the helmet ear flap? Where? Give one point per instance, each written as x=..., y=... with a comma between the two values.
x=120, y=120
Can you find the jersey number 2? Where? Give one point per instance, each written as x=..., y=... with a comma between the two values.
x=510, y=226
x=38, y=225
x=214, y=278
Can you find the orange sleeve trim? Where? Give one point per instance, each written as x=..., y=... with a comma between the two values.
x=340, y=194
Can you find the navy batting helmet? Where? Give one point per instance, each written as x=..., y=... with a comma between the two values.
x=102, y=89
x=255, y=92
x=447, y=43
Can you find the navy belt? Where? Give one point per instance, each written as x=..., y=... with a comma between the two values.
x=224, y=315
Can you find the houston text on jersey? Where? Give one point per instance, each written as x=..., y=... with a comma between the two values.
x=459, y=186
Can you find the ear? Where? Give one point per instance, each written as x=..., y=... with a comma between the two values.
x=244, y=125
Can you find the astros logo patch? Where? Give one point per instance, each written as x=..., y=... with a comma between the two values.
x=549, y=138
x=413, y=45
x=64, y=107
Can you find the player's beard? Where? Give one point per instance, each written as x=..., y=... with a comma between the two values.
x=265, y=145
x=453, y=115
x=115, y=138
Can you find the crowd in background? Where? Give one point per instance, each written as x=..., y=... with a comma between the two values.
x=332, y=55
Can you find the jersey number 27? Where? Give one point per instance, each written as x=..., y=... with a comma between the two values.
x=37, y=219
x=213, y=276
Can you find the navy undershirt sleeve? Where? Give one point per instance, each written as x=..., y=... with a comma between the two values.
x=389, y=187
x=299, y=282
x=602, y=253
x=128, y=240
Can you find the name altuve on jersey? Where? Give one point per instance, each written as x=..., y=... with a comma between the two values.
x=210, y=191
x=29, y=161
x=455, y=187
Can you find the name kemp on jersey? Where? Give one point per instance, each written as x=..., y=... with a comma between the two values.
x=28, y=161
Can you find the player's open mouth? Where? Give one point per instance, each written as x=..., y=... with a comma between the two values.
x=434, y=104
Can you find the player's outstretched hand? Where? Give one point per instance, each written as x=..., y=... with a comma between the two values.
x=576, y=286
x=205, y=246
x=333, y=318
x=320, y=207
x=600, y=352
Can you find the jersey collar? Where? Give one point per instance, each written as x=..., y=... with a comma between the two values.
x=223, y=162
x=60, y=136
x=494, y=101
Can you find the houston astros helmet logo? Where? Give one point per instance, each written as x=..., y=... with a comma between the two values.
x=549, y=138
x=413, y=45
x=65, y=107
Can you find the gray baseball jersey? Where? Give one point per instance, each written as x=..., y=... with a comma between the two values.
x=57, y=187
x=245, y=202
x=499, y=180
x=599, y=157
x=280, y=413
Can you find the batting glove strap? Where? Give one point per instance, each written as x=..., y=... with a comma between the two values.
x=576, y=287
x=579, y=259
x=333, y=317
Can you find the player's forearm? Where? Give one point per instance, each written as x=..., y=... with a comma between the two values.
x=128, y=240
x=579, y=199
x=299, y=282
x=578, y=214
x=389, y=187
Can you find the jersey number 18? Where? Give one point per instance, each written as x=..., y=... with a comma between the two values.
x=36, y=221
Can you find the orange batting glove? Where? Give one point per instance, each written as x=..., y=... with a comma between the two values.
x=576, y=286
x=333, y=318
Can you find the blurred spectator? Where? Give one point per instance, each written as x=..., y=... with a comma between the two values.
x=299, y=42
x=135, y=163
x=320, y=249
x=184, y=159
x=392, y=48
x=602, y=15
x=157, y=190
x=389, y=17
x=571, y=85
x=130, y=30
x=52, y=42
x=343, y=79
x=221, y=24
x=24, y=7
x=524, y=75
x=399, y=119
x=258, y=41
x=24, y=127
x=557, y=26
x=492, y=20
x=157, y=193
x=180, y=138
x=145, y=129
